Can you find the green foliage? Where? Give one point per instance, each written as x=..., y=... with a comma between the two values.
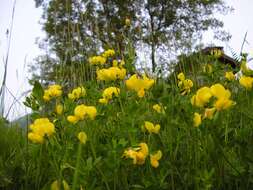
x=216, y=155
x=12, y=156
x=78, y=29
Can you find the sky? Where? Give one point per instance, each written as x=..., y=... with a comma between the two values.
x=23, y=50
x=26, y=29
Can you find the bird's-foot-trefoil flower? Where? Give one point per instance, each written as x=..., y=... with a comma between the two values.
x=82, y=137
x=197, y=120
x=39, y=129
x=108, y=94
x=138, y=155
x=52, y=91
x=154, y=158
x=151, y=128
x=77, y=93
x=139, y=84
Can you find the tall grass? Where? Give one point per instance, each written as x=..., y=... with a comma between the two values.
x=216, y=155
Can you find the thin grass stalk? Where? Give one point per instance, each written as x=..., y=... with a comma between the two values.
x=2, y=89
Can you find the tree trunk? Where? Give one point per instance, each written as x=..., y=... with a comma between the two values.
x=153, y=57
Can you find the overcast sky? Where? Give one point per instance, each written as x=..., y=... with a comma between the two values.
x=26, y=29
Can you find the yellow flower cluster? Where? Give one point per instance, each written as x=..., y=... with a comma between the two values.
x=139, y=84
x=108, y=53
x=51, y=92
x=230, y=76
x=77, y=93
x=218, y=91
x=40, y=128
x=111, y=74
x=203, y=96
x=138, y=155
x=81, y=112
x=108, y=94
x=223, y=97
x=184, y=85
x=97, y=60
x=246, y=82
x=151, y=128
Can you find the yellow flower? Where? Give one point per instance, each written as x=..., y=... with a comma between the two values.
x=51, y=92
x=72, y=119
x=103, y=101
x=138, y=155
x=230, y=76
x=139, y=85
x=97, y=60
x=57, y=186
x=141, y=93
x=246, y=82
x=209, y=112
x=219, y=91
x=202, y=97
x=181, y=76
x=108, y=94
x=82, y=137
x=151, y=128
x=111, y=74
x=108, y=53
x=223, y=103
x=196, y=119
x=40, y=127
x=59, y=109
x=35, y=138
x=130, y=153
x=157, y=108
x=77, y=93
x=186, y=86
x=154, y=158
x=81, y=111
x=142, y=153
x=46, y=96
x=91, y=112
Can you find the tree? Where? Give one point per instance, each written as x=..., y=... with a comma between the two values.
x=77, y=29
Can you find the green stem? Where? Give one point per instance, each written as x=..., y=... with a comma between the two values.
x=99, y=170
x=39, y=166
x=75, y=178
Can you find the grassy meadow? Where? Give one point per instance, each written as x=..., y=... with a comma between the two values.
x=130, y=130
